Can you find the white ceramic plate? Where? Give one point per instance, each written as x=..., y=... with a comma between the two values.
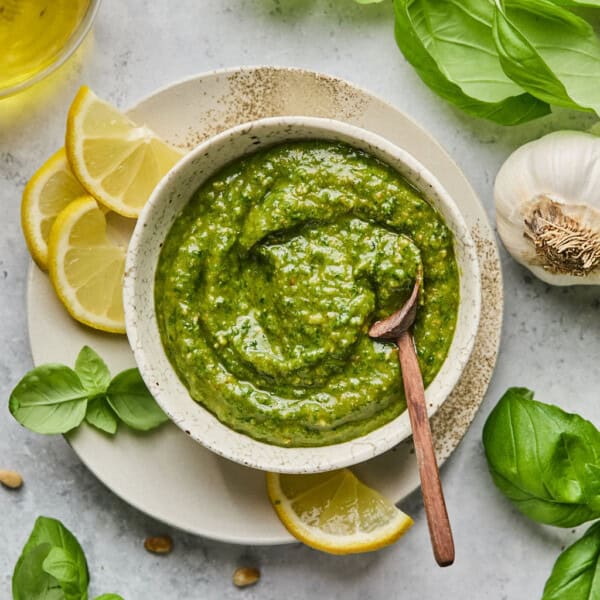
x=199, y=491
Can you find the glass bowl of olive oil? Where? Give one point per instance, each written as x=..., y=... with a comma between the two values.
x=37, y=36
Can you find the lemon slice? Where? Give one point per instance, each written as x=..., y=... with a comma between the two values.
x=50, y=189
x=335, y=512
x=86, y=259
x=117, y=161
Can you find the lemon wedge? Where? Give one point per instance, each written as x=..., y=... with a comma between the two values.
x=50, y=189
x=86, y=259
x=335, y=512
x=117, y=161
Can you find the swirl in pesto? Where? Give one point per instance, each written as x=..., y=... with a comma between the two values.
x=270, y=277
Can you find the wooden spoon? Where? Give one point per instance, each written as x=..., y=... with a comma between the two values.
x=397, y=328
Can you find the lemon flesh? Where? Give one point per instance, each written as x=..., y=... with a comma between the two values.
x=51, y=188
x=86, y=255
x=335, y=512
x=117, y=161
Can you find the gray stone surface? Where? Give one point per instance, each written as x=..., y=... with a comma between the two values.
x=551, y=336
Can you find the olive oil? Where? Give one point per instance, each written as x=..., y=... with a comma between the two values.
x=32, y=35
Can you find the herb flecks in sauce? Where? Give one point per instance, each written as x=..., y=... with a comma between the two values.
x=271, y=276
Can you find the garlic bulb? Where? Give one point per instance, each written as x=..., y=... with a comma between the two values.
x=547, y=198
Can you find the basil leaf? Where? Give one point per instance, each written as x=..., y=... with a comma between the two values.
x=30, y=579
x=543, y=459
x=570, y=474
x=92, y=371
x=129, y=397
x=64, y=567
x=576, y=573
x=550, y=52
x=49, y=399
x=451, y=47
x=100, y=415
x=109, y=597
x=575, y=3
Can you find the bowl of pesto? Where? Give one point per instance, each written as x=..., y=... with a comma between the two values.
x=255, y=271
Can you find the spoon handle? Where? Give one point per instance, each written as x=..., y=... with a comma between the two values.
x=433, y=495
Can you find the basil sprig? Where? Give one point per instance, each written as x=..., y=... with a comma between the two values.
x=52, y=565
x=576, y=573
x=450, y=45
x=54, y=398
x=545, y=460
x=564, y=72
x=503, y=60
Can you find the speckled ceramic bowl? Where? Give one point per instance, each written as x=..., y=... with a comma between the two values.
x=169, y=197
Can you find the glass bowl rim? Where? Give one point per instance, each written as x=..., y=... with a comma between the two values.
x=74, y=41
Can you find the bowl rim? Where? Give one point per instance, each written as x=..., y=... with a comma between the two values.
x=75, y=40
x=291, y=459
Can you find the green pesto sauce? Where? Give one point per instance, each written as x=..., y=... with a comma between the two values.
x=271, y=276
